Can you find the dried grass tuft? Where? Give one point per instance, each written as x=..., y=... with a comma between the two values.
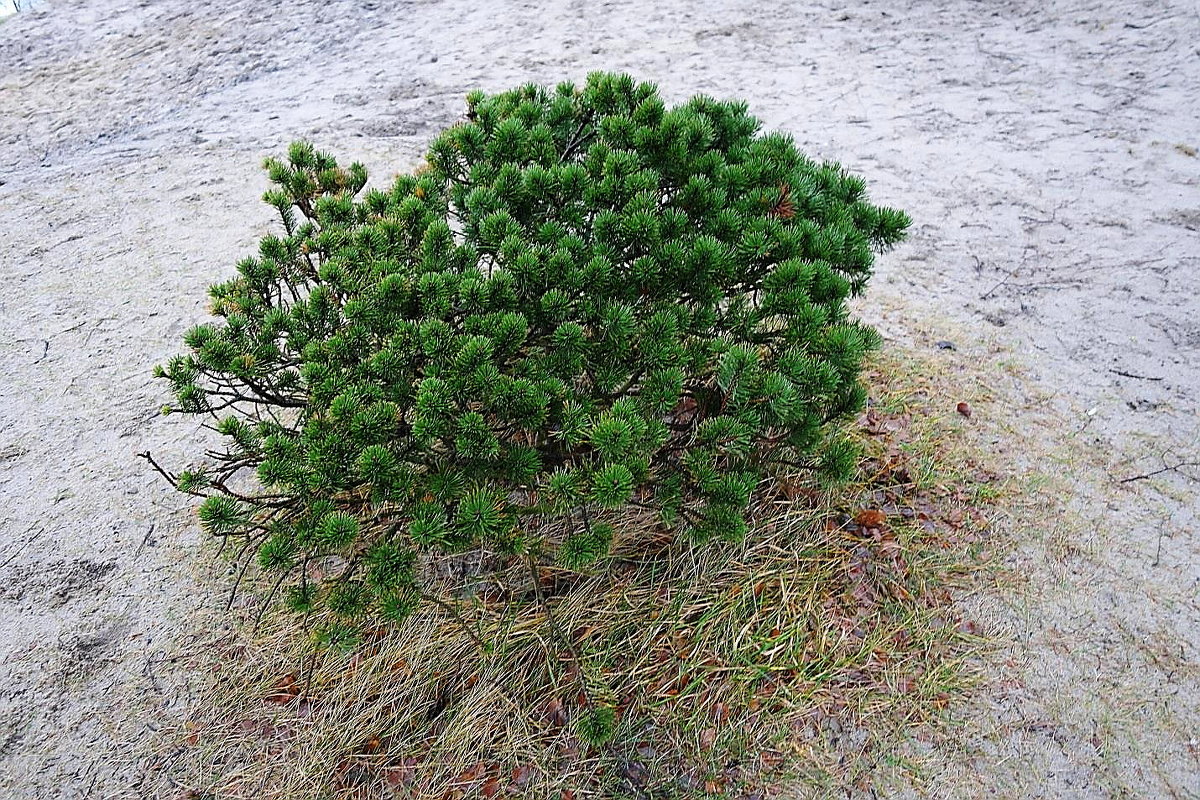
x=799, y=658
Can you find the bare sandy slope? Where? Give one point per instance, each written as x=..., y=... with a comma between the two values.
x=1044, y=149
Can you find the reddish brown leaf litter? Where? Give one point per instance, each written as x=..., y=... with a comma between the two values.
x=870, y=518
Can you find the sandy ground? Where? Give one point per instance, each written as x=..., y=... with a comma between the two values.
x=1045, y=150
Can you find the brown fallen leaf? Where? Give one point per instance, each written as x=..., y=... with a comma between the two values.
x=350, y=774
x=522, y=774
x=256, y=727
x=870, y=518
x=964, y=409
x=555, y=713
x=969, y=627
x=284, y=690
x=402, y=774
x=472, y=773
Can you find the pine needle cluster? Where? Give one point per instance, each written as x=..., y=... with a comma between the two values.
x=585, y=300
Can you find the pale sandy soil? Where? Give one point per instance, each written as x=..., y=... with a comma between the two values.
x=1045, y=150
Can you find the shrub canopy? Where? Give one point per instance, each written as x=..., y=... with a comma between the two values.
x=584, y=301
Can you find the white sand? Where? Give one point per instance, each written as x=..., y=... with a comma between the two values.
x=1042, y=148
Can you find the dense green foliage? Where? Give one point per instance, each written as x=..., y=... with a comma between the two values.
x=585, y=301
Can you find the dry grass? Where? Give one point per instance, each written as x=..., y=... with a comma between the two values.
x=798, y=660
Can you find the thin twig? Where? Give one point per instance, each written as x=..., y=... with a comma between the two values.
x=170, y=478
x=21, y=547
x=267, y=603
x=241, y=573
x=458, y=618
x=1125, y=374
x=1167, y=468
x=145, y=539
x=558, y=631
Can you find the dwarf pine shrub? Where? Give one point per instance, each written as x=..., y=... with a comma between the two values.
x=584, y=301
